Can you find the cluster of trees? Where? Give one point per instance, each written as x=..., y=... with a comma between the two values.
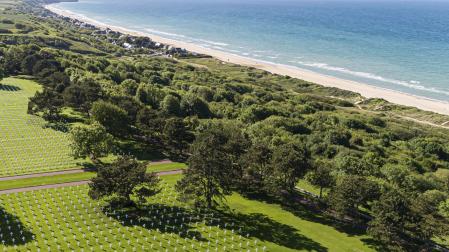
x=243, y=130
x=224, y=159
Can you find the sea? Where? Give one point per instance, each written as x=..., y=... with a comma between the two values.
x=401, y=45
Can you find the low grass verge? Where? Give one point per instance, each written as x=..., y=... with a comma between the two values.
x=166, y=167
x=38, y=181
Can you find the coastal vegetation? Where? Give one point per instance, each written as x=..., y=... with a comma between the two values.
x=250, y=140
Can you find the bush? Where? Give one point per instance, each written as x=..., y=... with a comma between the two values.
x=355, y=124
x=376, y=121
x=19, y=26
x=339, y=137
x=7, y=21
x=5, y=31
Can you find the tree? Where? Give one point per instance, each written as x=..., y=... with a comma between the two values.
x=351, y=164
x=129, y=87
x=390, y=215
x=2, y=75
x=90, y=141
x=177, y=137
x=58, y=81
x=82, y=94
x=352, y=191
x=112, y=117
x=257, y=167
x=431, y=222
x=401, y=222
x=290, y=161
x=28, y=63
x=321, y=175
x=171, y=105
x=339, y=137
x=124, y=178
x=49, y=102
x=150, y=95
x=192, y=105
x=208, y=177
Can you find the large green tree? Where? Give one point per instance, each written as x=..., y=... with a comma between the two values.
x=171, y=105
x=290, y=161
x=112, y=117
x=177, y=138
x=210, y=174
x=48, y=102
x=82, y=94
x=123, y=179
x=257, y=168
x=351, y=192
x=321, y=175
x=91, y=141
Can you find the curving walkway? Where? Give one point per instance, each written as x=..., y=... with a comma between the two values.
x=44, y=174
x=77, y=183
x=71, y=171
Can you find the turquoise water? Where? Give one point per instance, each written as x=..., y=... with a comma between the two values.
x=399, y=45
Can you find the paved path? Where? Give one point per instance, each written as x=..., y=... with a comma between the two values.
x=48, y=174
x=77, y=183
x=44, y=174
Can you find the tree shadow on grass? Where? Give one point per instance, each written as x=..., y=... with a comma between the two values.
x=313, y=211
x=163, y=218
x=318, y=216
x=12, y=231
x=181, y=221
x=264, y=228
x=376, y=245
x=141, y=151
x=9, y=88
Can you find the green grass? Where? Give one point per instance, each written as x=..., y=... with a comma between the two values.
x=65, y=219
x=166, y=167
x=300, y=230
x=57, y=179
x=305, y=185
x=27, y=146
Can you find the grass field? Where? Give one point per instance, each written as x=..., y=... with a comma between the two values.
x=66, y=219
x=26, y=146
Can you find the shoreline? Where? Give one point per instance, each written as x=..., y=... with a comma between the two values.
x=366, y=90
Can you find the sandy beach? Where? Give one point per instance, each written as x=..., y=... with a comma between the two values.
x=365, y=90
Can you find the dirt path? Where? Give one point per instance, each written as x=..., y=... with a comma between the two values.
x=77, y=183
x=443, y=125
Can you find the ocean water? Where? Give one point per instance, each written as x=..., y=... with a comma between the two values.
x=394, y=44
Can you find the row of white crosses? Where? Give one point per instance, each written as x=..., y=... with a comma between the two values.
x=25, y=147
x=66, y=219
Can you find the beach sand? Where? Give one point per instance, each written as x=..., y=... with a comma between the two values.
x=365, y=90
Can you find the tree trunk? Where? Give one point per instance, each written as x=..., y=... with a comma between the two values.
x=321, y=192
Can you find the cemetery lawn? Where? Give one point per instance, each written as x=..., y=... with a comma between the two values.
x=66, y=218
x=26, y=144
x=38, y=181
